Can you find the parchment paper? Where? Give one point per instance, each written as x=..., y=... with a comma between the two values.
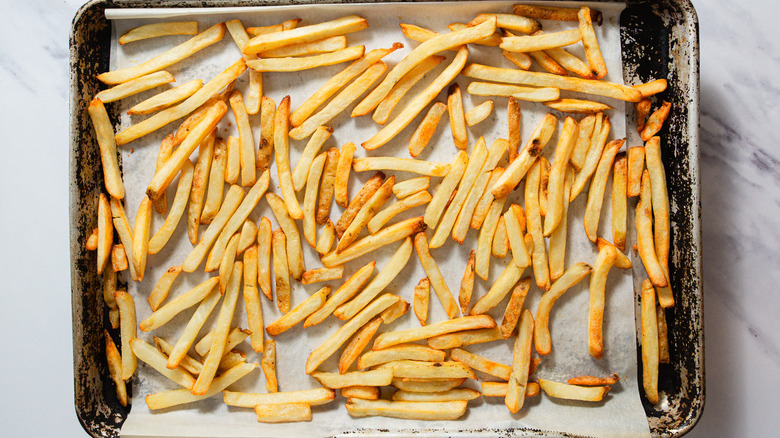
x=620, y=414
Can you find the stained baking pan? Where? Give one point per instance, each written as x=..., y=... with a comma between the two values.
x=659, y=39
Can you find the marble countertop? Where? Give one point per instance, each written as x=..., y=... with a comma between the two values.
x=740, y=172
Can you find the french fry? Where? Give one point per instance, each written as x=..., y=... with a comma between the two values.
x=619, y=201
x=155, y=30
x=425, y=130
x=426, y=385
x=178, y=353
x=467, y=284
x=445, y=189
x=118, y=258
x=520, y=165
x=569, y=62
x=346, y=291
x=163, y=177
x=572, y=392
x=541, y=41
x=343, y=168
x=386, y=106
x=660, y=202
x=485, y=239
x=491, y=41
x=417, y=33
x=643, y=220
x=598, y=280
x=127, y=331
x=247, y=142
x=518, y=380
x=533, y=216
x=299, y=313
x=189, y=105
x=486, y=200
x=312, y=397
x=651, y=88
x=384, y=216
x=400, y=352
x=465, y=338
x=341, y=335
x=326, y=186
x=326, y=239
x=655, y=121
x=521, y=60
x=125, y=232
x=591, y=44
x=572, y=276
x=324, y=45
x=109, y=287
x=514, y=124
x=310, y=199
x=105, y=232
x=482, y=364
x=336, y=82
x=339, y=103
x=283, y=413
x=514, y=308
x=499, y=389
x=358, y=343
x=449, y=410
x=234, y=337
x=281, y=270
x=282, y=153
x=530, y=94
x=92, y=244
x=412, y=369
x=510, y=21
x=265, y=151
x=254, y=90
x=254, y=309
x=264, y=236
x=515, y=235
x=535, y=79
x=643, y=108
x=165, y=313
x=268, y=364
x=115, y=368
x=457, y=118
x=498, y=290
x=400, y=164
x=365, y=193
x=621, y=260
x=479, y=113
x=290, y=228
x=366, y=213
x=380, y=377
x=262, y=43
x=451, y=395
x=636, y=164
x=104, y=134
x=163, y=286
x=595, y=151
x=436, y=279
x=157, y=360
x=577, y=106
x=663, y=336
x=436, y=329
x=322, y=274
x=597, y=188
x=394, y=312
x=167, y=58
x=135, y=86
x=594, y=381
x=544, y=182
x=175, y=397
x=216, y=183
x=422, y=293
x=143, y=220
x=421, y=52
x=200, y=179
x=263, y=30
x=379, y=283
x=246, y=237
x=383, y=237
x=411, y=186
x=557, y=253
x=553, y=13
x=232, y=161
x=586, y=131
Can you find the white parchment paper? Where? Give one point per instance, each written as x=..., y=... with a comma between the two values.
x=620, y=414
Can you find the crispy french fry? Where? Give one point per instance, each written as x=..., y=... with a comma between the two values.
x=643, y=108
x=358, y=343
x=650, y=358
x=660, y=202
x=570, y=62
x=254, y=90
x=453, y=394
x=520, y=77
x=554, y=13
x=177, y=305
x=597, y=188
x=155, y=30
x=643, y=219
x=157, y=360
x=426, y=385
x=486, y=200
x=283, y=413
x=247, y=237
x=264, y=236
x=299, y=313
x=254, y=309
x=655, y=121
x=636, y=164
x=544, y=182
x=365, y=193
x=485, y=239
x=268, y=363
x=118, y=258
x=386, y=106
x=465, y=338
x=125, y=232
x=200, y=180
x=400, y=164
x=326, y=239
x=621, y=260
x=188, y=363
x=591, y=44
x=594, y=381
x=518, y=380
x=514, y=232
x=246, y=141
x=467, y=283
x=412, y=369
x=281, y=270
x=541, y=41
x=216, y=182
x=163, y=286
x=663, y=336
x=290, y=228
x=262, y=43
x=322, y=274
x=326, y=186
x=651, y=88
x=135, y=86
x=572, y=392
x=514, y=308
x=167, y=399
x=422, y=135
x=345, y=331
x=104, y=134
x=109, y=287
x=513, y=127
x=127, y=331
x=384, y=216
x=343, y=168
x=400, y=352
x=586, y=131
x=569, y=278
x=598, y=280
x=439, y=328
x=521, y=60
x=167, y=58
x=383, y=237
x=115, y=368
x=479, y=113
x=379, y=377
x=521, y=165
x=346, y=291
x=595, y=151
x=457, y=117
x=510, y=21
x=282, y=152
x=498, y=290
x=422, y=293
x=394, y=312
x=105, y=232
x=379, y=283
x=310, y=199
x=447, y=186
x=92, y=244
x=312, y=397
x=499, y=389
x=178, y=353
x=448, y=410
x=533, y=216
x=530, y=94
x=411, y=186
x=324, y=45
x=577, y=106
x=557, y=255
x=366, y=213
x=436, y=279
x=265, y=151
x=619, y=201
x=234, y=337
x=482, y=364
x=143, y=220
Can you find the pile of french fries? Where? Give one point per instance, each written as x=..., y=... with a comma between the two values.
x=471, y=193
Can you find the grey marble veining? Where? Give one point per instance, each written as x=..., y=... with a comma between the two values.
x=740, y=164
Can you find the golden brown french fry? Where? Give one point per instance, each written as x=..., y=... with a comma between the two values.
x=643, y=220
x=290, y=228
x=167, y=58
x=155, y=30
x=482, y=364
x=569, y=278
x=264, y=234
x=91, y=244
x=566, y=142
x=498, y=290
x=216, y=184
x=521, y=60
x=586, y=131
x=597, y=188
x=527, y=157
x=365, y=193
x=143, y=220
x=118, y=258
x=479, y=113
x=313, y=397
x=513, y=126
x=282, y=153
x=656, y=121
x=400, y=352
x=366, y=213
x=544, y=182
x=338, y=81
x=341, y=335
x=439, y=328
x=236, y=336
x=157, y=360
x=591, y=44
x=322, y=274
x=467, y=283
x=649, y=342
x=570, y=62
x=247, y=236
x=510, y=21
x=465, y=338
x=135, y=86
x=457, y=118
x=594, y=381
x=663, y=336
x=246, y=141
x=651, y=88
x=514, y=232
x=265, y=151
x=535, y=79
x=643, y=108
x=162, y=235
x=619, y=201
x=539, y=254
x=177, y=355
x=530, y=94
x=636, y=164
x=263, y=30
x=281, y=270
x=200, y=179
x=572, y=392
x=386, y=106
x=422, y=135
x=254, y=310
x=299, y=313
x=326, y=239
x=326, y=186
x=453, y=394
x=660, y=202
x=485, y=239
x=422, y=293
x=127, y=331
x=499, y=389
x=621, y=260
x=346, y=291
x=400, y=164
x=577, y=106
x=104, y=134
x=412, y=369
x=437, y=280
x=324, y=45
x=339, y=103
x=426, y=385
x=554, y=13
x=486, y=200
x=283, y=413
x=254, y=91
x=343, y=168
x=115, y=368
x=125, y=232
x=431, y=411
x=167, y=399
x=557, y=255
x=540, y=41
x=163, y=286
x=518, y=380
x=380, y=377
x=411, y=186
x=358, y=343
x=105, y=232
x=262, y=43
x=385, y=236
x=598, y=280
x=268, y=363
x=310, y=199
x=177, y=305
x=447, y=186
x=514, y=307
x=379, y=283
x=384, y=216
x=595, y=151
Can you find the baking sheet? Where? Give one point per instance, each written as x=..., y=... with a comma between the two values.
x=621, y=413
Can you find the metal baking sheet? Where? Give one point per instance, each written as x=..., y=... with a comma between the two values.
x=96, y=405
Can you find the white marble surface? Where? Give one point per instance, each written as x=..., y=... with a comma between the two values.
x=741, y=206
